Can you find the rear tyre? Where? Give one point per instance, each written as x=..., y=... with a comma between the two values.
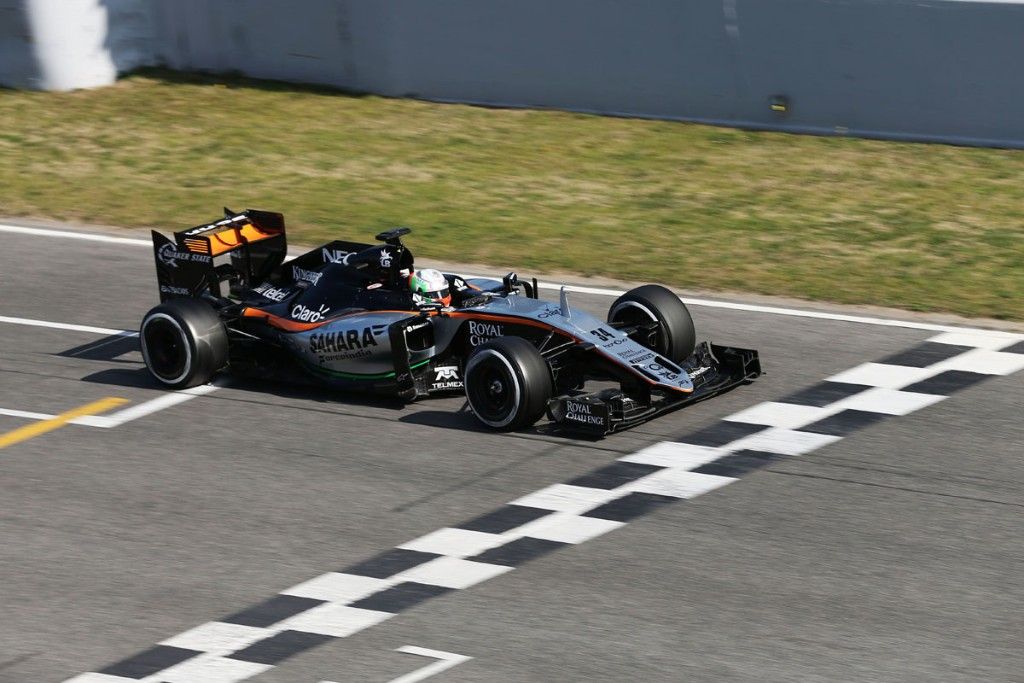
x=508, y=383
x=184, y=343
x=674, y=337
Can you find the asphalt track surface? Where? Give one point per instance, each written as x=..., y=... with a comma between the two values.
x=892, y=554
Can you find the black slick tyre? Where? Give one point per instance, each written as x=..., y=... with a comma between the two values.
x=184, y=343
x=508, y=383
x=675, y=336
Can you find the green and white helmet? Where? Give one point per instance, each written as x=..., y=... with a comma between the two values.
x=429, y=286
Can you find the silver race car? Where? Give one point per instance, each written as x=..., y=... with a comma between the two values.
x=362, y=317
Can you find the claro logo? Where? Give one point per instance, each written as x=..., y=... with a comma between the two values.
x=308, y=315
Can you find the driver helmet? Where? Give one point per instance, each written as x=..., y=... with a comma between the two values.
x=429, y=286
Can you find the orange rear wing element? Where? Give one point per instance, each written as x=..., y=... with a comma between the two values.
x=254, y=242
x=232, y=232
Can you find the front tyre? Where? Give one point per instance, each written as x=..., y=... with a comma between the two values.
x=673, y=336
x=184, y=343
x=508, y=383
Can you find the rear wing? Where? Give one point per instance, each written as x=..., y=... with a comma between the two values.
x=253, y=241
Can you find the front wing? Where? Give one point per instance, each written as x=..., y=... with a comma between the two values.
x=714, y=369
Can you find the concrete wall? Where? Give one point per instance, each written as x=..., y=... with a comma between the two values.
x=916, y=69
x=67, y=44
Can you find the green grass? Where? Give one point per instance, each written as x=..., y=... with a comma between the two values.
x=920, y=227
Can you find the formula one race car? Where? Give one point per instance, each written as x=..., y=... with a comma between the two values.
x=361, y=317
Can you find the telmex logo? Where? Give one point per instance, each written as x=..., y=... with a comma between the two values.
x=446, y=377
x=446, y=372
x=271, y=292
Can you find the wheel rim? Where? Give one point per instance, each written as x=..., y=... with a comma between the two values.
x=165, y=348
x=492, y=389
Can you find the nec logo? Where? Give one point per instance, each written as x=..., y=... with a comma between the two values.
x=335, y=255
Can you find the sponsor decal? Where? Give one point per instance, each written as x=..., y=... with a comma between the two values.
x=660, y=369
x=374, y=285
x=170, y=256
x=459, y=285
x=335, y=255
x=271, y=292
x=345, y=342
x=549, y=313
x=585, y=413
x=210, y=226
x=168, y=289
x=635, y=355
x=385, y=258
x=483, y=332
x=446, y=377
x=309, y=276
x=300, y=312
x=615, y=342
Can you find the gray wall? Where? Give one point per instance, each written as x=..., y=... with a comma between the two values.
x=18, y=65
x=917, y=69
x=67, y=44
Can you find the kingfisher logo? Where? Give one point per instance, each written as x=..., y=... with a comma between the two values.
x=309, y=276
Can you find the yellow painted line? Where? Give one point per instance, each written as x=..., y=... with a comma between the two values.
x=29, y=431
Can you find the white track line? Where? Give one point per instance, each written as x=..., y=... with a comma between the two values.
x=25, y=414
x=160, y=403
x=91, y=236
x=66, y=326
x=122, y=416
x=709, y=303
x=119, y=418
x=446, y=660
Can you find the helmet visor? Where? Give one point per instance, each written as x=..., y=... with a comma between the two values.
x=443, y=296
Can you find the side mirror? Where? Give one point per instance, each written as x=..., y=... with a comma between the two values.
x=510, y=282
